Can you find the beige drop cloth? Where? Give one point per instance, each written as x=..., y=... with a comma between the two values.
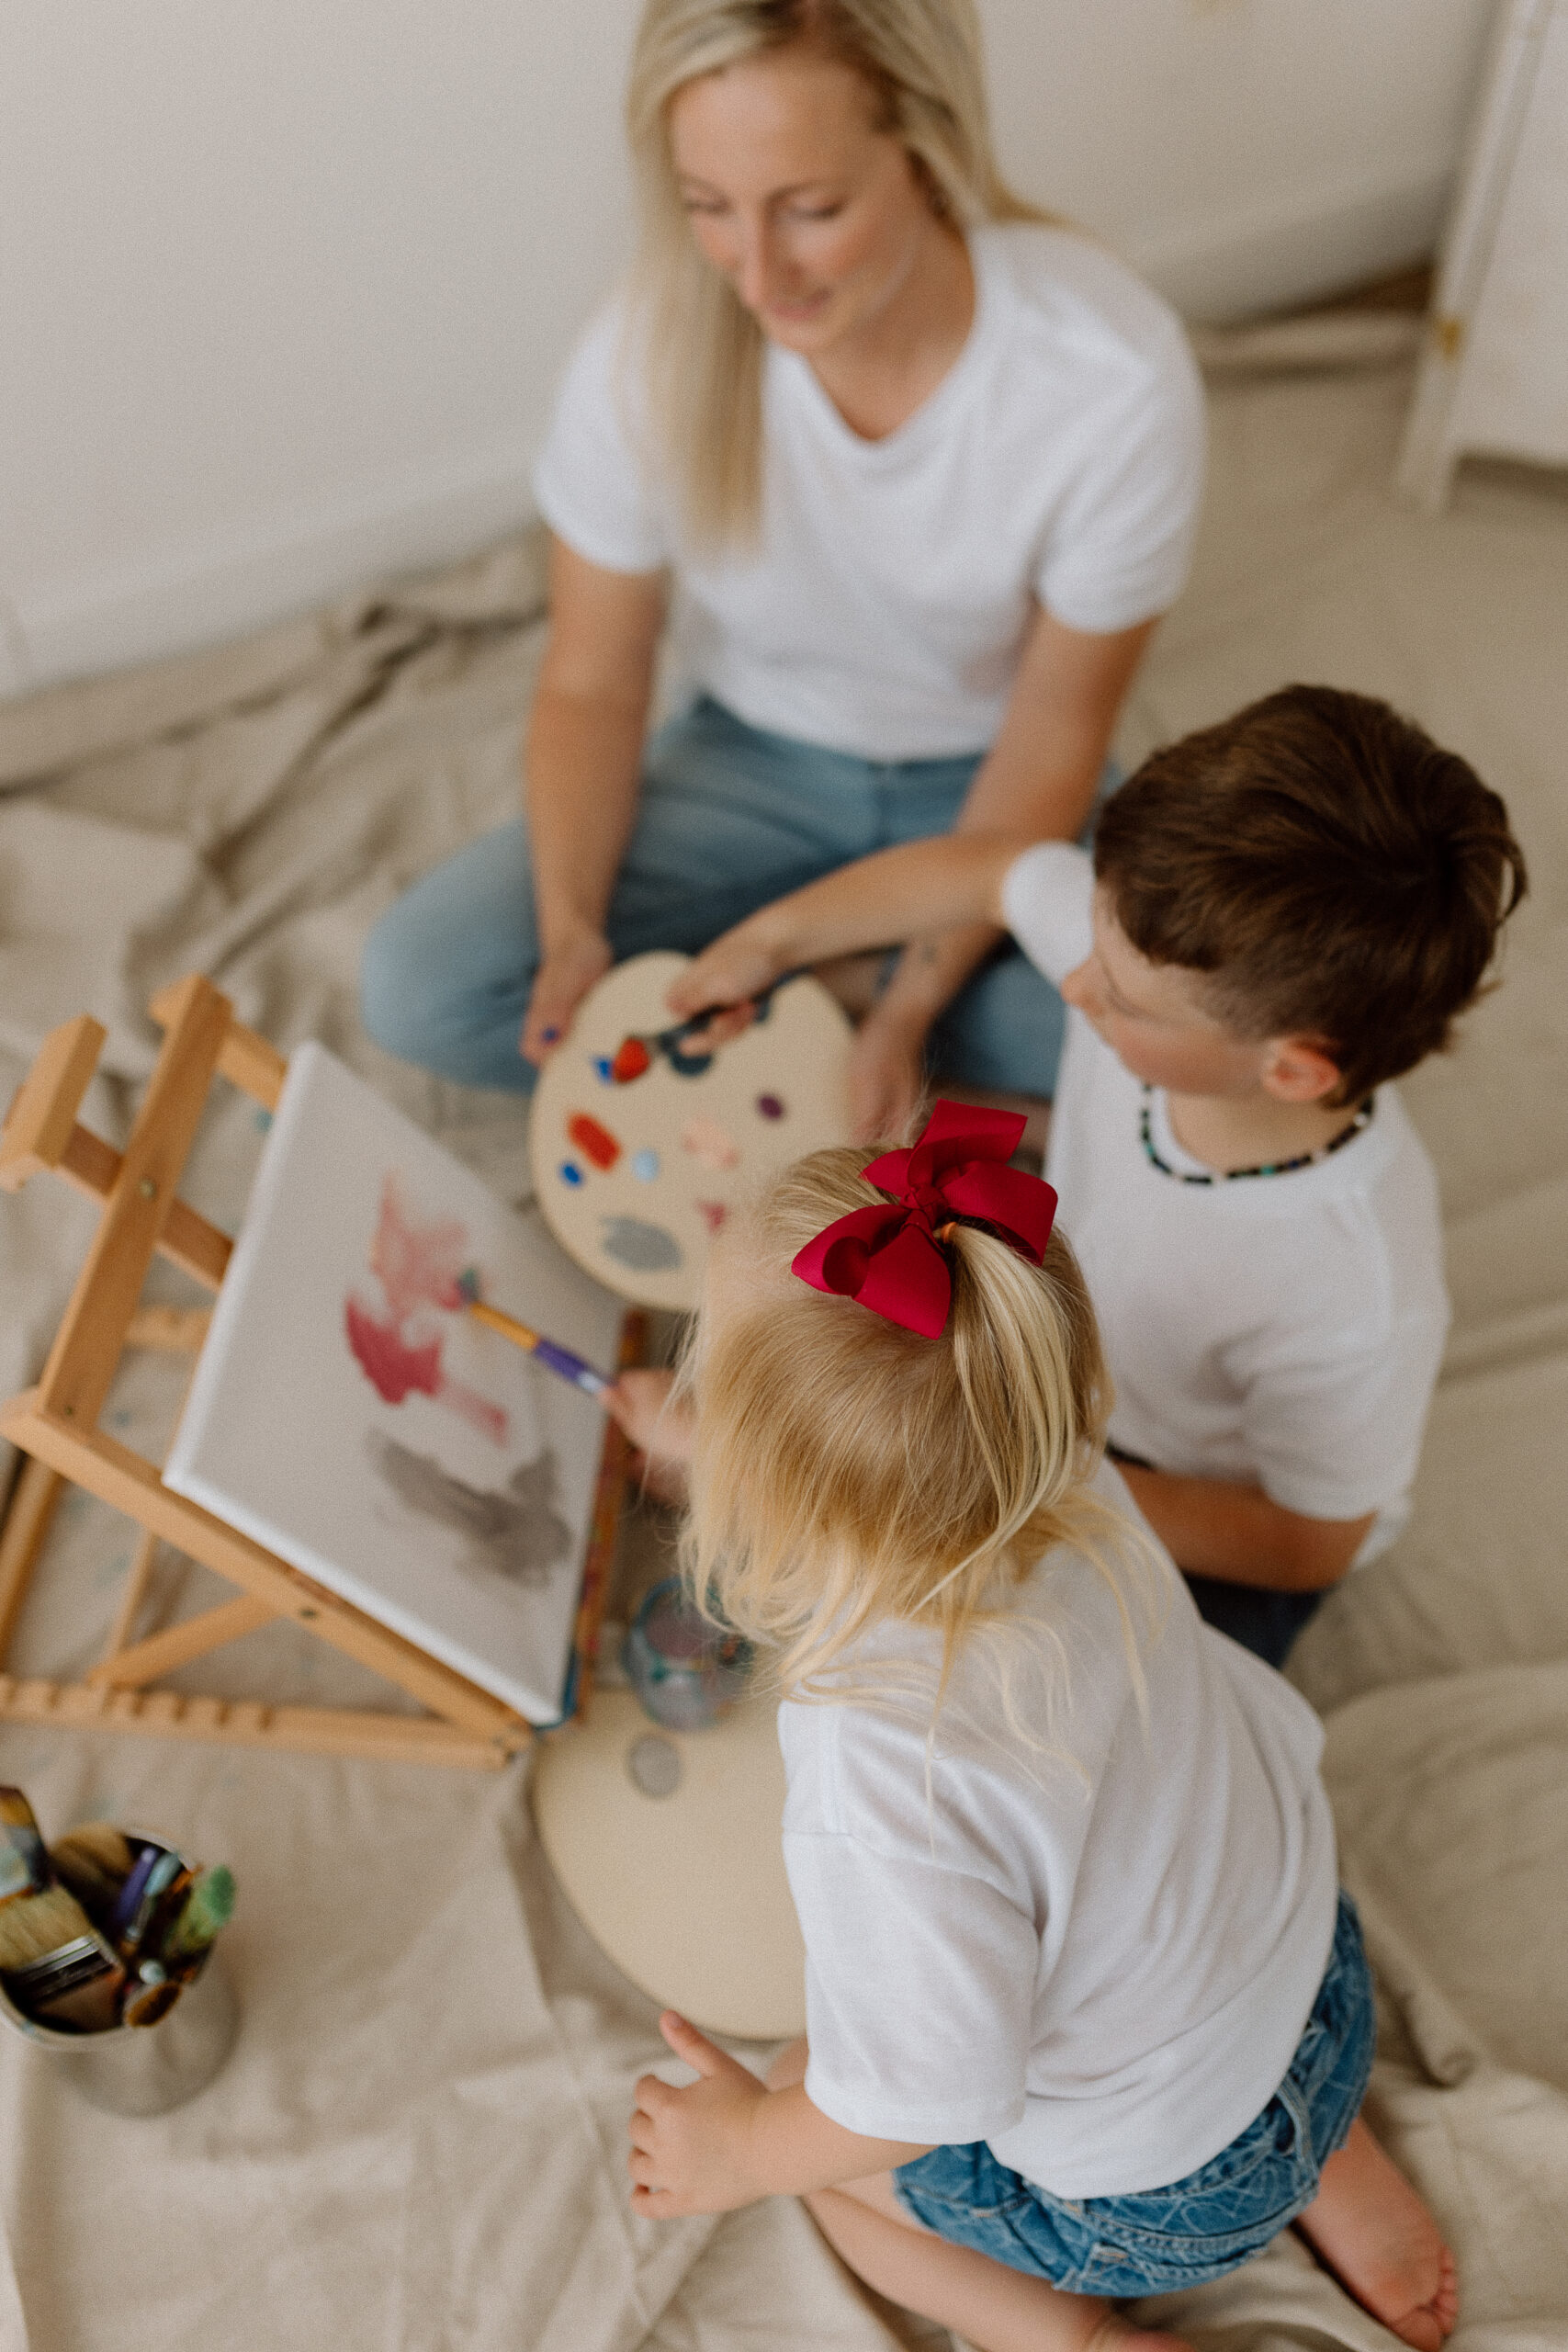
x=417, y=2145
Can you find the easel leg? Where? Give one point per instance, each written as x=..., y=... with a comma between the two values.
x=27, y=1518
x=137, y=1578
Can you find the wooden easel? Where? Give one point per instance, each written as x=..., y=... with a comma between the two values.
x=55, y=1426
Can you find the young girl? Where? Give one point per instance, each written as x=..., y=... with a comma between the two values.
x=1088, y=2016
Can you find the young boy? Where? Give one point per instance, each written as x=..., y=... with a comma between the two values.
x=1282, y=913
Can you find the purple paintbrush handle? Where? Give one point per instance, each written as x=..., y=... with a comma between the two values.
x=581, y=1376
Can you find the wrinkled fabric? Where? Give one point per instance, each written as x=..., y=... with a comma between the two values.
x=419, y=2143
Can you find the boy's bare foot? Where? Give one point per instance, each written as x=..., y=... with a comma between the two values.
x=1381, y=2242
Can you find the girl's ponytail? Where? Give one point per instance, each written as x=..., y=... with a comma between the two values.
x=850, y=1470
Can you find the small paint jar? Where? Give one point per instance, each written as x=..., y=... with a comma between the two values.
x=686, y=1671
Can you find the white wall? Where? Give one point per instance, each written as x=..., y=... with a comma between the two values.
x=283, y=288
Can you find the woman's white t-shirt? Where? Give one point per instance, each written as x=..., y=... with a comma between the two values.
x=1097, y=1954
x=1286, y=1330
x=883, y=612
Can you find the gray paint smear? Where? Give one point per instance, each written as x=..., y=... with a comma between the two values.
x=646, y=1248
x=513, y=1531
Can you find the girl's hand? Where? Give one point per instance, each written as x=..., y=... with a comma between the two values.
x=694, y=2150
x=663, y=1433
x=561, y=982
x=887, y=1078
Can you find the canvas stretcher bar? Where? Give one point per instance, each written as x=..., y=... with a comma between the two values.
x=55, y=1426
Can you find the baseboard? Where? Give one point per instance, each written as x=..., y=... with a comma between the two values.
x=1299, y=246
x=202, y=592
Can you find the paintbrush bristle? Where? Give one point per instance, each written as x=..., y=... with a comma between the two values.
x=100, y=1843
x=35, y=1925
x=208, y=1906
x=95, y=1862
x=16, y=1810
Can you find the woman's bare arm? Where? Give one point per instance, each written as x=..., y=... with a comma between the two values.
x=582, y=761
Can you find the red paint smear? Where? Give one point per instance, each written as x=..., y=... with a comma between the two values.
x=416, y=1265
x=632, y=1058
x=594, y=1142
x=713, y=1214
x=388, y=1361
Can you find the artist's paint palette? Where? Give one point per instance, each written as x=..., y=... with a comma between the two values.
x=641, y=1149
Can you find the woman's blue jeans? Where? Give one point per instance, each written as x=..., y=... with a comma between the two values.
x=729, y=819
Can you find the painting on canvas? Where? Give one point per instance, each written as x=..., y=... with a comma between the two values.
x=350, y=1415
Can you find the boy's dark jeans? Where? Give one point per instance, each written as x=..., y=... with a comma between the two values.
x=1265, y=1622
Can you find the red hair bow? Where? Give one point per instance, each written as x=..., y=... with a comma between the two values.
x=889, y=1258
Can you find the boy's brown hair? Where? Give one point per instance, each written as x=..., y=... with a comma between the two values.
x=1337, y=874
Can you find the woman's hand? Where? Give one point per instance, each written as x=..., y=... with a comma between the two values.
x=563, y=979
x=887, y=1076
x=692, y=2150
x=663, y=1433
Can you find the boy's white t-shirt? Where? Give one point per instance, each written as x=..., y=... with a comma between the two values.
x=1097, y=1954
x=883, y=610
x=1283, y=1329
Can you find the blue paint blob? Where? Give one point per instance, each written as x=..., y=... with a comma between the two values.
x=645, y=1248
x=570, y=1173
x=262, y=1121
x=604, y=1069
x=645, y=1165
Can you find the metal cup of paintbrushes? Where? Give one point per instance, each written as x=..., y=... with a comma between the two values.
x=187, y=2025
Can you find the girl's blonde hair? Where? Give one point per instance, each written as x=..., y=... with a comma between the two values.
x=847, y=1471
x=695, y=350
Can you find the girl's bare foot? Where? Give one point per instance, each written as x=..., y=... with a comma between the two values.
x=1381, y=2242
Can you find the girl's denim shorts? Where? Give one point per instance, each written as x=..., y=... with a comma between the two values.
x=1162, y=2239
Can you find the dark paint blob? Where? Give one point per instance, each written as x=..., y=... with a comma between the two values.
x=769, y=1106
x=514, y=1531
x=643, y=1249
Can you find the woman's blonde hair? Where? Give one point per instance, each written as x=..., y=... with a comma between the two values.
x=694, y=349
x=847, y=1471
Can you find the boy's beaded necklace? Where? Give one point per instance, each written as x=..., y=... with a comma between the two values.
x=1268, y=1168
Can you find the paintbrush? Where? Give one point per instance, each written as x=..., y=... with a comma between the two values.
x=93, y=1860
x=208, y=1906
x=24, y=1865
x=548, y=1353
x=55, y=1966
x=634, y=1054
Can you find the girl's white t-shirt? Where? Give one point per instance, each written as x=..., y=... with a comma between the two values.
x=1285, y=1330
x=1099, y=1952
x=885, y=607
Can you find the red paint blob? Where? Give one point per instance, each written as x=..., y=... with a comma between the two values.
x=713, y=1214
x=594, y=1142
x=632, y=1058
x=390, y=1365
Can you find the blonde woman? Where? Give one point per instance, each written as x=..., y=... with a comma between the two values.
x=1089, y=2018
x=910, y=470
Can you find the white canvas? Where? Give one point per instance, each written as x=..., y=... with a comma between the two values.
x=350, y=1416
